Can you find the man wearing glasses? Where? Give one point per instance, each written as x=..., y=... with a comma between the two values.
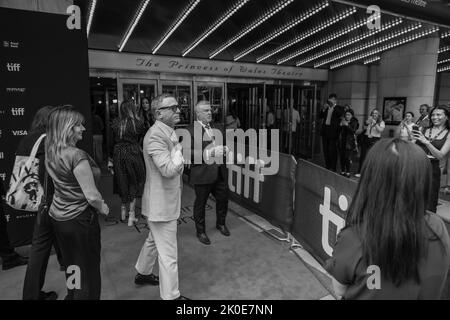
x=210, y=176
x=161, y=200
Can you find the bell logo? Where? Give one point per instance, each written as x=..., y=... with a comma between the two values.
x=13, y=67
x=17, y=111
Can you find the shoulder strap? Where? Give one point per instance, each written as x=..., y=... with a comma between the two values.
x=32, y=156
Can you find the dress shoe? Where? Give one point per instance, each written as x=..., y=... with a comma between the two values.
x=142, y=279
x=181, y=298
x=14, y=260
x=203, y=238
x=223, y=230
x=51, y=295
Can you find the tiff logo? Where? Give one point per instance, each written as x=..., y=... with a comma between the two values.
x=13, y=67
x=2, y=155
x=3, y=176
x=1, y=133
x=328, y=216
x=18, y=111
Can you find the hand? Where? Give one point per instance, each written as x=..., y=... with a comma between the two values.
x=105, y=209
x=110, y=166
x=418, y=135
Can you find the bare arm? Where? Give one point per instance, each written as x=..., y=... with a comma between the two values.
x=439, y=154
x=84, y=176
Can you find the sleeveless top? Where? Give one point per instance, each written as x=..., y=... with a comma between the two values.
x=437, y=143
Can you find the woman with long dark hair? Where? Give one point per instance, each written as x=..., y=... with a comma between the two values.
x=128, y=161
x=435, y=141
x=347, y=140
x=391, y=248
x=145, y=113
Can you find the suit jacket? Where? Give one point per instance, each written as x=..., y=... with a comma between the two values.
x=423, y=122
x=331, y=131
x=161, y=200
x=204, y=173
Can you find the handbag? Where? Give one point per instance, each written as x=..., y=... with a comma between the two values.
x=25, y=190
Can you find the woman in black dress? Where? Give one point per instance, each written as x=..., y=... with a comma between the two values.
x=347, y=140
x=128, y=162
x=435, y=141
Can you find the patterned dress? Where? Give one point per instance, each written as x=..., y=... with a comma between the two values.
x=129, y=167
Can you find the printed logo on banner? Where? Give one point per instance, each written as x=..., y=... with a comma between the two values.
x=13, y=67
x=2, y=155
x=3, y=176
x=19, y=132
x=13, y=90
x=328, y=216
x=11, y=44
x=1, y=133
x=17, y=111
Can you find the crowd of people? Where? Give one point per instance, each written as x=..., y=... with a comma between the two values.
x=147, y=161
x=342, y=140
x=390, y=224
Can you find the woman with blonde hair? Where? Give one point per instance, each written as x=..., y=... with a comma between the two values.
x=127, y=159
x=76, y=200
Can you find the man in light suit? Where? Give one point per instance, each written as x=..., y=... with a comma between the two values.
x=210, y=177
x=161, y=200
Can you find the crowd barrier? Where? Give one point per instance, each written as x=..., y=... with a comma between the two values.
x=269, y=196
x=322, y=198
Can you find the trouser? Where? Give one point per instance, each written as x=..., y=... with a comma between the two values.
x=345, y=159
x=435, y=185
x=43, y=240
x=5, y=247
x=219, y=190
x=79, y=241
x=366, y=144
x=162, y=243
x=330, y=152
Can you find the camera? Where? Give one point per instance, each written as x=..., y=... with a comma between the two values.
x=415, y=127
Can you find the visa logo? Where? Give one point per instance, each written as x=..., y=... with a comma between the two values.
x=19, y=132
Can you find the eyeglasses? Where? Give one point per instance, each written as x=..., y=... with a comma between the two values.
x=174, y=108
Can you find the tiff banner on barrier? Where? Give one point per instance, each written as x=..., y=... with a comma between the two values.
x=269, y=196
x=42, y=63
x=322, y=199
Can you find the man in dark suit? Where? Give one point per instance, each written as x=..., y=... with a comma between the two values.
x=210, y=176
x=331, y=115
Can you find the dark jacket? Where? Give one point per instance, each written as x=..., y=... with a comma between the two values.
x=331, y=131
x=347, y=138
x=204, y=173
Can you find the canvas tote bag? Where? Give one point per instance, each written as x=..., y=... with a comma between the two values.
x=25, y=190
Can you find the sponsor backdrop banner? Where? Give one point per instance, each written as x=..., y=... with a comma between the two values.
x=42, y=62
x=322, y=199
x=269, y=196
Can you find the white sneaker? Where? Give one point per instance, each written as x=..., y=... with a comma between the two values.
x=357, y=175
